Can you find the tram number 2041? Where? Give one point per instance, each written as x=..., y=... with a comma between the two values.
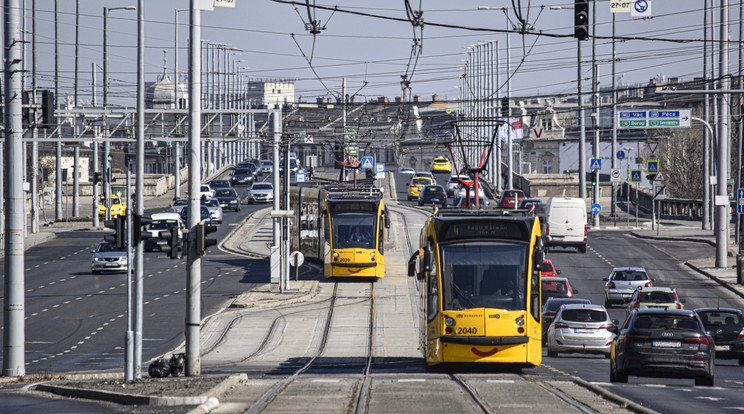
x=467, y=331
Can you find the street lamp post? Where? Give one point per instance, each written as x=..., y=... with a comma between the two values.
x=107, y=144
x=176, y=90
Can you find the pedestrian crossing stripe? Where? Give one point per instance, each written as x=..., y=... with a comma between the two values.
x=367, y=162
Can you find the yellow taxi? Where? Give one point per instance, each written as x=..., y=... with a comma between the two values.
x=118, y=207
x=417, y=183
x=441, y=164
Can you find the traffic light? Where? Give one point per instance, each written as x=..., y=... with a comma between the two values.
x=140, y=225
x=595, y=178
x=202, y=242
x=47, y=108
x=581, y=19
x=119, y=225
x=504, y=106
x=651, y=177
x=97, y=177
x=172, y=239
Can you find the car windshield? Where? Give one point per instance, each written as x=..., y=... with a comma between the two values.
x=657, y=297
x=181, y=202
x=484, y=275
x=547, y=267
x=627, y=275
x=211, y=202
x=583, y=315
x=227, y=192
x=554, y=286
x=354, y=230
x=107, y=247
x=163, y=224
x=420, y=181
x=658, y=321
x=262, y=187
x=114, y=200
x=434, y=190
x=265, y=163
x=552, y=305
x=722, y=318
x=220, y=183
x=243, y=171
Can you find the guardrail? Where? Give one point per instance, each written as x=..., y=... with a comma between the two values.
x=683, y=208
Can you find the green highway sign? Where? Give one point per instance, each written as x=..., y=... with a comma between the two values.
x=654, y=118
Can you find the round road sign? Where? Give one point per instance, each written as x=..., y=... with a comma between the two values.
x=615, y=173
x=296, y=258
x=620, y=155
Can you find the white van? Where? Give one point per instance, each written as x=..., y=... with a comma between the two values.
x=566, y=223
x=160, y=222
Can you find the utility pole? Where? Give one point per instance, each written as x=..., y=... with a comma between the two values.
x=96, y=166
x=140, y=187
x=58, y=161
x=176, y=93
x=193, y=266
x=14, y=301
x=595, y=109
x=34, y=131
x=76, y=168
x=613, y=151
x=724, y=137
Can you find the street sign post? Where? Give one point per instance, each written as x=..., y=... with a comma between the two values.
x=670, y=118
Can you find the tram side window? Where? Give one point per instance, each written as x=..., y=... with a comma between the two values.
x=432, y=292
x=381, y=237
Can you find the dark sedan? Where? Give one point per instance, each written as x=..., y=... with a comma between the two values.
x=662, y=343
x=242, y=176
x=726, y=326
x=433, y=194
x=228, y=198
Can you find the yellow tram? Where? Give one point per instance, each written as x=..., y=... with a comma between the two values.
x=479, y=290
x=342, y=227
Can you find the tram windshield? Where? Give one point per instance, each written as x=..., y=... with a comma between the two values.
x=354, y=230
x=484, y=275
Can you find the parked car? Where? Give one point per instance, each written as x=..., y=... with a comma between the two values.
x=261, y=193
x=215, y=211
x=510, y=198
x=118, y=207
x=108, y=258
x=242, y=176
x=432, y=194
x=662, y=342
x=654, y=297
x=215, y=184
x=556, y=287
x=162, y=222
x=622, y=282
x=548, y=270
x=441, y=164
x=550, y=308
x=179, y=205
x=228, y=198
x=726, y=326
x=582, y=328
x=417, y=183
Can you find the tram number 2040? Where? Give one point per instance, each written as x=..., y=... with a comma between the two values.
x=467, y=331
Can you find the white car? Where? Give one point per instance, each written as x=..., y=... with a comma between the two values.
x=622, y=282
x=407, y=171
x=179, y=205
x=162, y=222
x=205, y=191
x=261, y=193
x=581, y=328
x=108, y=258
x=215, y=211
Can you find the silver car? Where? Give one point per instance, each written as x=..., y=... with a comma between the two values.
x=179, y=205
x=622, y=282
x=107, y=258
x=261, y=193
x=581, y=328
x=213, y=205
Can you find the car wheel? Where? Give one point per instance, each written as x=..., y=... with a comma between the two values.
x=96, y=272
x=421, y=203
x=551, y=353
x=617, y=376
x=607, y=304
x=706, y=381
x=741, y=361
x=582, y=248
x=607, y=355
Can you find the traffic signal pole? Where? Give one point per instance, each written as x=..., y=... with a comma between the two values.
x=140, y=189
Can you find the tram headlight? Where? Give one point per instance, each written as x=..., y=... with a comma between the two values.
x=449, y=321
x=372, y=255
x=335, y=255
x=520, y=321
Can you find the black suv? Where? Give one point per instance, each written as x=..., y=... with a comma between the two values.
x=242, y=176
x=662, y=343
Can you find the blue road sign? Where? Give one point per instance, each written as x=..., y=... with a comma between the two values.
x=596, y=164
x=635, y=176
x=367, y=162
x=620, y=155
x=740, y=201
x=596, y=208
x=652, y=166
x=379, y=168
x=300, y=177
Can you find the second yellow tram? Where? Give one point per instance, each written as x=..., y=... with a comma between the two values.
x=479, y=290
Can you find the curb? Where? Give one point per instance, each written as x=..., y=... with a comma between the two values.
x=670, y=238
x=723, y=283
x=137, y=399
x=621, y=401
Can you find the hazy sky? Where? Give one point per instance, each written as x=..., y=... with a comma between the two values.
x=375, y=49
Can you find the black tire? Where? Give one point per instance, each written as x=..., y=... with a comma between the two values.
x=607, y=355
x=582, y=248
x=617, y=376
x=96, y=272
x=607, y=304
x=705, y=381
x=741, y=361
x=552, y=354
